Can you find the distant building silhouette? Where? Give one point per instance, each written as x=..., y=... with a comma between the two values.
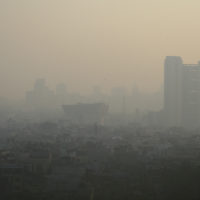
x=41, y=96
x=117, y=100
x=86, y=113
x=181, y=92
x=61, y=94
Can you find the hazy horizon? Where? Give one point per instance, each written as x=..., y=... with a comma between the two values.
x=87, y=43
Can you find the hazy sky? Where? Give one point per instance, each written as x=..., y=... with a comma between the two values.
x=94, y=42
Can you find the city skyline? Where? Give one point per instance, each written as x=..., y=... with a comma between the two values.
x=99, y=99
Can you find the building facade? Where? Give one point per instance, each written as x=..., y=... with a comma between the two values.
x=181, y=93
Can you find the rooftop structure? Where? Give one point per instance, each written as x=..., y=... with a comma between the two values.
x=86, y=113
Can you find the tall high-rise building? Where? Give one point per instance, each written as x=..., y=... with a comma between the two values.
x=181, y=93
x=173, y=90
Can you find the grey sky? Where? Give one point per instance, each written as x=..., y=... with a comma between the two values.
x=93, y=42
